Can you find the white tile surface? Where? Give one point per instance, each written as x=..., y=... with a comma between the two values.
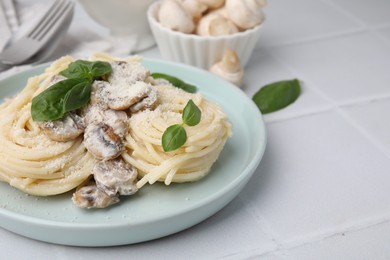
x=322, y=189
x=369, y=243
x=264, y=69
x=373, y=118
x=293, y=21
x=318, y=175
x=372, y=13
x=344, y=68
x=385, y=32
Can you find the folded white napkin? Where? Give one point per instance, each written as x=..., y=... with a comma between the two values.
x=80, y=41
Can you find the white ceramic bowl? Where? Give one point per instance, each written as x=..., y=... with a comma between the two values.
x=200, y=51
x=123, y=18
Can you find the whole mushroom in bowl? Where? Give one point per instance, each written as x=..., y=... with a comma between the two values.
x=198, y=32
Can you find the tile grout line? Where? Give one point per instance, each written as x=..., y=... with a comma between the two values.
x=336, y=104
x=309, y=240
x=371, y=29
x=338, y=109
x=349, y=15
x=377, y=144
x=267, y=230
x=316, y=38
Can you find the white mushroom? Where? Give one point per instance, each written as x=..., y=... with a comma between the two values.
x=115, y=177
x=212, y=4
x=245, y=14
x=127, y=72
x=214, y=24
x=65, y=129
x=126, y=86
x=98, y=94
x=117, y=120
x=147, y=102
x=123, y=96
x=194, y=7
x=105, y=133
x=102, y=141
x=229, y=68
x=175, y=17
x=91, y=197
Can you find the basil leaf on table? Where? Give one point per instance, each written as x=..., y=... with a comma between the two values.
x=49, y=105
x=277, y=95
x=176, y=82
x=191, y=114
x=174, y=137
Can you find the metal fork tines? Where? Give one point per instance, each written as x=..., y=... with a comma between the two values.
x=39, y=35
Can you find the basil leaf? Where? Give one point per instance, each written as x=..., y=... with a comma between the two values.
x=173, y=138
x=176, y=82
x=70, y=94
x=100, y=68
x=191, y=114
x=277, y=95
x=78, y=96
x=49, y=105
x=77, y=69
x=86, y=69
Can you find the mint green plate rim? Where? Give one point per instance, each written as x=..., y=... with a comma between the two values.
x=157, y=210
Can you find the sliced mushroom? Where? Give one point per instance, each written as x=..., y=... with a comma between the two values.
x=127, y=73
x=65, y=129
x=117, y=120
x=115, y=176
x=123, y=96
x=146, y=103
x=91, y=197
x=98, y=94
x=102, y=141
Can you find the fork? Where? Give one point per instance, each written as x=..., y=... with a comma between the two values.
x=17, y=51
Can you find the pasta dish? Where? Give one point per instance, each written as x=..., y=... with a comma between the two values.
x=112, y=145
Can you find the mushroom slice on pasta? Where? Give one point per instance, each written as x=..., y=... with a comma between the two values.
x=146, y=103
x=115, y=177
x=127, y=73
x=65, y=129
x=121, y=97
x=91, y=197
x=102, y=141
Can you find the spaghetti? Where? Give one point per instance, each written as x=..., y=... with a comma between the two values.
x=35, y=164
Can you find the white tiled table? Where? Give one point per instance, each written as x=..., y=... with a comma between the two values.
x=322, y=190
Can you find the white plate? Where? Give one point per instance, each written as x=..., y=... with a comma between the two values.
x=156, y=210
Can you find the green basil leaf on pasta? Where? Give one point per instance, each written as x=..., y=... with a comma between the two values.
x=78, y=96
x=277, y=95
x=69, y=94
x=86, y=69
x=191, y=114
x=100, y=68
x=77, y=69
x=173, y=138
x=49, y=105
x=176, y=82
